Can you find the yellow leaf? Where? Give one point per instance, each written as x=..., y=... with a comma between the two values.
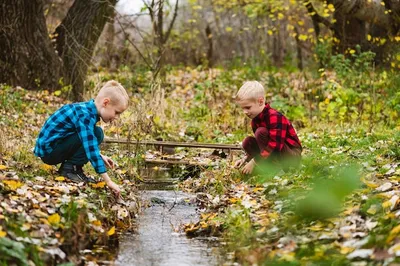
x=13, y=184
x=59, y=178
x=2, y=233
x=369, y=37
x=371, y=185
x=393, y=233
x=303, y=37
x=2, y=167
x=111, y=231
x=346, y=250
x=57, y=93
x=99, y=184
x=387, y=204
x=352, y=51
x=233, y=200
x=45, y=221
x=228, y=29
x=46, y=167
x=273, y=215
x=96, y=223
x=54, y=219
x=256, y=189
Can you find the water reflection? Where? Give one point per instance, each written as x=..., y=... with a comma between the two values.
x=159, y=240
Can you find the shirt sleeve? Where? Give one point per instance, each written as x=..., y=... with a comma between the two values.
x=277, y=130
x=85, y=129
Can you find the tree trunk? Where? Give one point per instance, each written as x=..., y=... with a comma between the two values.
x=27, y=57
x=77, y=36
x=384, y=13
x=109, y=55
x=350, y=32
x=210, y=46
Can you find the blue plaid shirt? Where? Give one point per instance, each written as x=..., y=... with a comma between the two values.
x=73, y=118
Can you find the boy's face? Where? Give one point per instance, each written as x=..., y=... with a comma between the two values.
x=109, y=111
x=251, y=107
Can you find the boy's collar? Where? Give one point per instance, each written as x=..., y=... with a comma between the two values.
x=93, y=104
x=266, y=107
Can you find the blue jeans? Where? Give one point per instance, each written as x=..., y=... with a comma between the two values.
x=70, y=150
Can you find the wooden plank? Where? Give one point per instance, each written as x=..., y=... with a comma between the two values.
x=186, y=162
x=175, y=144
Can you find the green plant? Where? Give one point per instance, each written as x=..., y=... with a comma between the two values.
x=12, y=251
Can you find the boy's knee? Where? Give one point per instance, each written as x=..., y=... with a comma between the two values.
x=248, y=141
x=261, y=132
x=98, y=132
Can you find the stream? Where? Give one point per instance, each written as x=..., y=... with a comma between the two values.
x=159, y=239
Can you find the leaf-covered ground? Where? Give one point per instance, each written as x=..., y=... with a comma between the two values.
x=340, y=207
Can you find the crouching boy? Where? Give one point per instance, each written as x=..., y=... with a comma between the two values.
x=275, y=139
x=70, y=135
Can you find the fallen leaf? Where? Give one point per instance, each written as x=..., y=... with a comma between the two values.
x=59, y=178
x=13, y=184
x=46, y=167
x=111, y=231
x=360, y=253
x=54, y=219
x=385, y=187
x=99, y=184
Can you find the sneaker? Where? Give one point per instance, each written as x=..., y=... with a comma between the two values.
x=74, y=173
x=87, y=179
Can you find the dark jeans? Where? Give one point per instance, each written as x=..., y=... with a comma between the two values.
x=254, y=145
x=70, y=150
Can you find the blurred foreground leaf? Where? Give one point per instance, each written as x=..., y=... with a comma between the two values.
x=326, y=197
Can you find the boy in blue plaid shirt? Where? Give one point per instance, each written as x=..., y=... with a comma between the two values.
x=70, y=135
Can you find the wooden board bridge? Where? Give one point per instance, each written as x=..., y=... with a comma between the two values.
x=173, y=144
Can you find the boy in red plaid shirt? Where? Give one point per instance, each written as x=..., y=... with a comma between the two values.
x=274, y=138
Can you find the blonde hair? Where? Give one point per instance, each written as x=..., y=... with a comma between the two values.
x=250, y=90
x=115, y=91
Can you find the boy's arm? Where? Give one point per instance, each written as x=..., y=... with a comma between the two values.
x=114, y=187
x=90, y=145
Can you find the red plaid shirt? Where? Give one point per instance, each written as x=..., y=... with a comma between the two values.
x=279, y=128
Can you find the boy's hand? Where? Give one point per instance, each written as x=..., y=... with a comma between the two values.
x=248, y=168
x=114, y=188
x=239, y=163
x=108, y=161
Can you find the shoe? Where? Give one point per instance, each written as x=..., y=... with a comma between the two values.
x=87, y=179
x=74, y=173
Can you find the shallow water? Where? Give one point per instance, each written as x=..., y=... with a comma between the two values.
x=160, y=240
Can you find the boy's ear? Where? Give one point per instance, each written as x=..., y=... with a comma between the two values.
x=106, y=101
x=260, y=101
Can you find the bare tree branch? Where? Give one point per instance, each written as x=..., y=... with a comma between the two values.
x=133, y=44
x=172, y=21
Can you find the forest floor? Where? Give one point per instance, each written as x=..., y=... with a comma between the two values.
x=341, y=207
